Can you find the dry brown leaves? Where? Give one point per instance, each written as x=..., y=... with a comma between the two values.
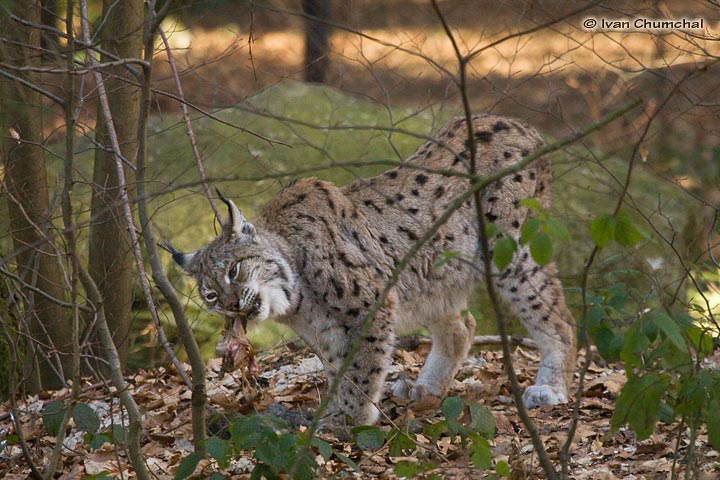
x=294, y=379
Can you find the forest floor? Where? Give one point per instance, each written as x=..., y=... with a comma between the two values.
x=290, y=376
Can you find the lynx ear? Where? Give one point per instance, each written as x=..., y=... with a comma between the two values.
x=184, y=260
x=235, y=224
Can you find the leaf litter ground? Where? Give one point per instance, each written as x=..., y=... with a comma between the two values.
x=289, y=384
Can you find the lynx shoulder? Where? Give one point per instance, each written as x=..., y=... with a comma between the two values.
x=319, y=257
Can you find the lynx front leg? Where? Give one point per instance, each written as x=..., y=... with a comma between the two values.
x=451, y=341
x=360, y=387
x=534, y=295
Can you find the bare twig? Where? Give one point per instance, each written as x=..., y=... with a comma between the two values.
x=188, y=126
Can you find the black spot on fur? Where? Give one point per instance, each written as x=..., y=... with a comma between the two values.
x=415, y=192
x=383, y=239
x=307, y=217
x=516, y=224
x=410, y=234
x=518, y=178
x=532, y=175
x=353, y=312
x=391, y=174
x=370, y=203
x=389, y=201
x=491, y=217
x=413, y=211
x=500, y=126
x=525, y=153
x=338, y=288
x=507, y=154
x=421, y=179
x=484, y=136
x=449, y=237
x=356, y=288
x=439, y=191
x=294, y=201
x=399, y=197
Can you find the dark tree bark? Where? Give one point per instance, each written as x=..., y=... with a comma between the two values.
x=317, y=40
x=48, y=347
x=110, y=260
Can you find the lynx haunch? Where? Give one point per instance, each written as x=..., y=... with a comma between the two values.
x=318, y=257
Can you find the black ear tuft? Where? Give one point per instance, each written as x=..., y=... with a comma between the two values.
x=182, y=259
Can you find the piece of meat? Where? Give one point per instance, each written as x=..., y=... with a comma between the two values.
x=235, y=349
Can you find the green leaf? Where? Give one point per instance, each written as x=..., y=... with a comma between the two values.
x=97, y=440
x=85, y=418
x=670, y=328
x=369, y=437
x=602, y=230
x=713, y=424
x=502, y=254
x=408, y=469
x=435, y=430
x=218, y=449
x=635, y=344
x=446, y=257
x=324, y=448
x=529, y=229
x=532, y=204
x=481, y=456
x=625, y=232
x=482, y=421
x=557, y=229
x=502, y=468
x=402, y=444
x=639, y=404
x=187, y=466
x=701, y=340
x=347, y=461
x=541, y=248
x=52, y=415
x=452, y=407
x=118, y=433
x=608, y=344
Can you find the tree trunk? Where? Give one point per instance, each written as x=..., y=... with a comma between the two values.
x=317, y=39
x=110, y=261
x=48, y=349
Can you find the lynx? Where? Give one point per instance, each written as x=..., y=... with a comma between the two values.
x=318, y=257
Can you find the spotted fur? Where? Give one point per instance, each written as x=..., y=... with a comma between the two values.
x=318, y=257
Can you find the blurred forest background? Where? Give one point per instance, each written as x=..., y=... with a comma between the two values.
x=380, y=67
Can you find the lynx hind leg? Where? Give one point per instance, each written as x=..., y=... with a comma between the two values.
x=451, y=341
x=361, y=386
x=534, y=295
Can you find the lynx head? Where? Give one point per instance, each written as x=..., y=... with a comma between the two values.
x=242, y=273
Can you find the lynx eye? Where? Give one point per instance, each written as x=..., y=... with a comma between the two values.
x=235, y=270
x=210, y=296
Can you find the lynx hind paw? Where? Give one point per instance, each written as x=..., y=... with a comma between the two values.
x=539, y=395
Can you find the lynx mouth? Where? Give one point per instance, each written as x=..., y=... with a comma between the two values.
x=241, y=318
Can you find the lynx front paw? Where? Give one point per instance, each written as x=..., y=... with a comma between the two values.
x=419, y=395
x=409, y=390
x=538, y=395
